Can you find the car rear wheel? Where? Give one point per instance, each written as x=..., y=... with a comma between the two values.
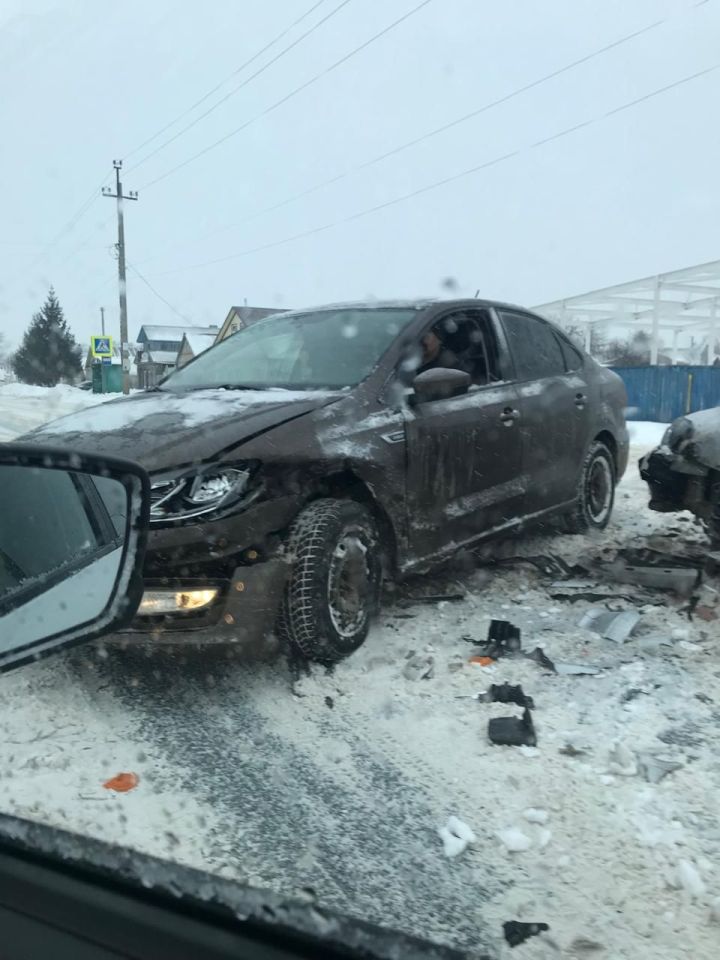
x=334, y=587
x=596, y=491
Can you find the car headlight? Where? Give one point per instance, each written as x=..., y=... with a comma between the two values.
x=199, y=492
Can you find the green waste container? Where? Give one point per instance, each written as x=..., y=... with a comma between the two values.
x=107, y=378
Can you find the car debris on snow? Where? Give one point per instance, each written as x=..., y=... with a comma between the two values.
x=653, y=769
x=681, y=580
x=516, y=932
x=501, y=693
x=513, y=731
x=612, y=625
x=575, y=669
x=434, y=598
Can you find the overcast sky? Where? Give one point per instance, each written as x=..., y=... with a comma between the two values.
x=86, y=81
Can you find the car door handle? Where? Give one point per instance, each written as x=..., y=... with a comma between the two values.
x=580, y=400
x=509, y=416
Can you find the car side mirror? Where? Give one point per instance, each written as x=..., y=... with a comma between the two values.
x=73, y=529
x=440, y=383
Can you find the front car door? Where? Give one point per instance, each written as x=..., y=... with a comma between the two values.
x=464, y=454
x=555, y=407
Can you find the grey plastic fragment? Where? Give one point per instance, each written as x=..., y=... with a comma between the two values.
x=576, y=669
x=612, y=625
x=653, y=769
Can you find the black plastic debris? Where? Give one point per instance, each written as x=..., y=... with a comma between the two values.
x=503, y=640
x=513, y=731
x=554, y=567
x=435, y=598
x=506, y=693
x=517, y=932
x=541, y=658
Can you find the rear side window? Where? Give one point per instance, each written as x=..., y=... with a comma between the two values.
x=534, y=347
x=573, y=357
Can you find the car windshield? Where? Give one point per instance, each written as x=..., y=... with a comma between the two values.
x=330, y=348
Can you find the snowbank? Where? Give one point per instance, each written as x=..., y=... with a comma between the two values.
x=23, y=406
x=645, y=433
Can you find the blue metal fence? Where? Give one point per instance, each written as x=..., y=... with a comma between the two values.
x=664, y=393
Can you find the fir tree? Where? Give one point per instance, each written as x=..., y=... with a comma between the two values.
x=49, y=352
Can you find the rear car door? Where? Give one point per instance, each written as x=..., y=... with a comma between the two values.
x=464, y=453
x=555, y=406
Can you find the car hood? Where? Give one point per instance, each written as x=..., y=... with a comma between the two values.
x=706, y=436
x=163, y=430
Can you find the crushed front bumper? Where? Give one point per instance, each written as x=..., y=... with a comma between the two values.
x=675, y=483
x=243, y=612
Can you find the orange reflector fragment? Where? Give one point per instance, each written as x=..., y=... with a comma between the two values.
x=122, y=782
x=482, y=661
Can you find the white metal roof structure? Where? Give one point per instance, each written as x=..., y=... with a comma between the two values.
x=683, y=301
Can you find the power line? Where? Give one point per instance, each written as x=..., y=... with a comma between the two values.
x=68, y=226
x=159, y=295
x=77, y=216
x=289, y=96
x=240, y=86
x=443, y=128
x=86, y=241
x=222, y=83
x=434, y=185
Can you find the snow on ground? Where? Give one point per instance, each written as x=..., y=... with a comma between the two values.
x=341, y=780
x=646, y=434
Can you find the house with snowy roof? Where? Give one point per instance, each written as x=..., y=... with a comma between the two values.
x=158, y=347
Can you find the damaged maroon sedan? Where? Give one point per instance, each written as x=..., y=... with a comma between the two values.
x=300, y=461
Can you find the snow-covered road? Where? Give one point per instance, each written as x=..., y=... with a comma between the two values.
x=338, y=781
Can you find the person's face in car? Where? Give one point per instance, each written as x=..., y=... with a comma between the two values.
x=431, y=347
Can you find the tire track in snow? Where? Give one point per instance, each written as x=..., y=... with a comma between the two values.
x=365, y=841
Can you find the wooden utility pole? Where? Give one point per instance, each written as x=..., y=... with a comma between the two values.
x=124, y=344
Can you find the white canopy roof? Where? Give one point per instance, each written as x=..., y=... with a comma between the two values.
x=682, y=301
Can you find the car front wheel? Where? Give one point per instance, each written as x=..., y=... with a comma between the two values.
x=333, y=589
x=596, y=491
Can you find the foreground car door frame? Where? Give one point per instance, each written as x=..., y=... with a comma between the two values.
x=128, y=586
x=464, y=457
x=69, y=897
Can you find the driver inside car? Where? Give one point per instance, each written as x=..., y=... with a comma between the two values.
x=435, y=354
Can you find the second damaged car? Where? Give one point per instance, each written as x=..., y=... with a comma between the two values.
x=683, y=473
x=301, y=460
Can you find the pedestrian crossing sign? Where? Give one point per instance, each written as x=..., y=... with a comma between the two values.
x=101, y=346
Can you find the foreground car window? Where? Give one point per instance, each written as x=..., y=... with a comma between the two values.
x=330, y=348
